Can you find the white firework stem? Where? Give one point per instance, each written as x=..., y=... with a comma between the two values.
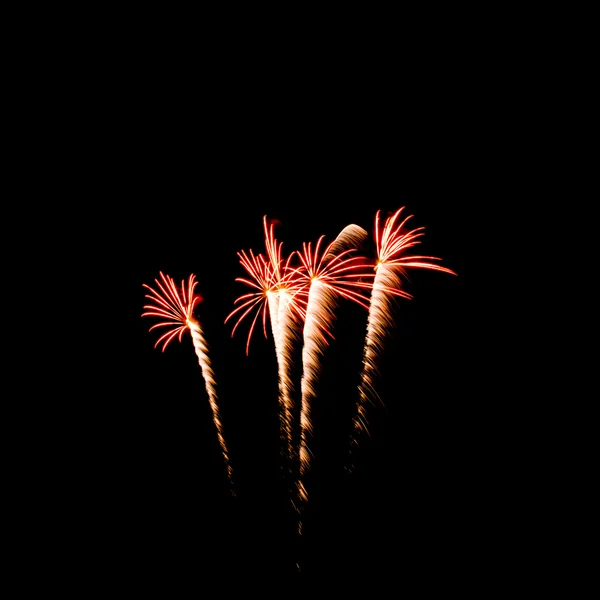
x=279, y=300
x=284, y=346
x=201, y=348
x=274, y=300
x=326, y=276
x=392, y=241
x=379, y=322
x=319, y=317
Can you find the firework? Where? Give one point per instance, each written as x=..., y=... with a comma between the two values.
x=175, y=308
x=323, y=277
x=392, y=243
x=273, y=281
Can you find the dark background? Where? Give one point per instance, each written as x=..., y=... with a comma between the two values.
x=175, y=166
x=421, y=492
x=144, y=143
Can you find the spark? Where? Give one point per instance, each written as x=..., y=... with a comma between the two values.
x=325, y=276
x=176, y=309
x=257, y=301
x=273, y=281
x=392, y=243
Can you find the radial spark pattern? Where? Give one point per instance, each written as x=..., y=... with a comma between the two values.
x=273, y=281
x=175, y=308
x=392, y=245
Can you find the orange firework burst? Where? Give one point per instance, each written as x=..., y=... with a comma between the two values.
x=176, y=307
x=392, y=243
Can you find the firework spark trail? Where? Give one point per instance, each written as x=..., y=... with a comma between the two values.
x=282, y=327
x=285, y=332
x=320, y=314
x=177, y=311
x=325, y=277
x=287, y=336
x=209, y=377
x=391, y=244
x=272, y=279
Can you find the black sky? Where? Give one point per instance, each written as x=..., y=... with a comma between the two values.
x=179, y=181
x=412, y=499
x=161, y=149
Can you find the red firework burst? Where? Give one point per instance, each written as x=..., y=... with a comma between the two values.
x=174, y=305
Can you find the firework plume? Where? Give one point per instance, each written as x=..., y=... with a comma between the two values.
x=323, y=277
x=175, y=308
x=272, y=280
x=392, y=243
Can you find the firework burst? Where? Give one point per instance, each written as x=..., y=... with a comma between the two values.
x=175, y=308
x=272, y=280
x=324, y=276
x=392, y=243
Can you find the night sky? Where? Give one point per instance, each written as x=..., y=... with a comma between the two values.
x=179, y=184
x=415, y=494
x=162, y=150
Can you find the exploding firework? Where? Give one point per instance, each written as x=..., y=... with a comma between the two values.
x=323, y=277
x=176, y=307
x=273, y=281
x=392, y=243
